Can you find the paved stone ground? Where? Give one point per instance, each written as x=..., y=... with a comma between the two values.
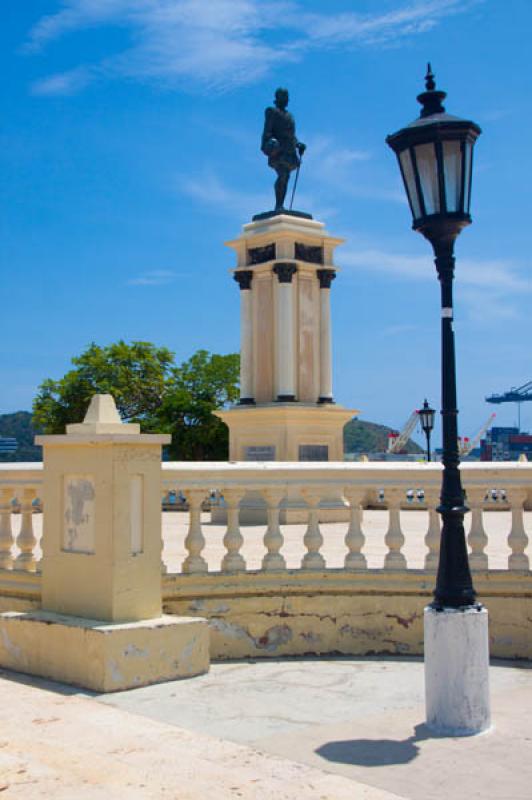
x=358, y=717
x=57, y=746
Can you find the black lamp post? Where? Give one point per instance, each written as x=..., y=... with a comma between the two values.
x=426, y=417
x=435, y=154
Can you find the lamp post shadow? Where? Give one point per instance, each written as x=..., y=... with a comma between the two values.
x=376, y=752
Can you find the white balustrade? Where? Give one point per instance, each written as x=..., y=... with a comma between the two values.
x=517, y=538
x=354, y=538
x=26, y=540
x=6, y=529
x=273, y=538
x=433, y=536
x=313, y=540
x=233, y=561
x=394, y=539
x=195, y=541
x=360, y=483
x=477, y=538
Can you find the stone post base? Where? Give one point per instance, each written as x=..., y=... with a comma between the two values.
x=103, y=656
x=457, y=671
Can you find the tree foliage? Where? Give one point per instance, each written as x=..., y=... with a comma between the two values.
x=195, y=389
x=151, y=389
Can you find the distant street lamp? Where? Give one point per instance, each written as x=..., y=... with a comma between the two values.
x=426, y=417
x=435, y=155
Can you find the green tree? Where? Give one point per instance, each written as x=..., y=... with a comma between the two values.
x=198, y=387
x=135, y=374
x=151, y=389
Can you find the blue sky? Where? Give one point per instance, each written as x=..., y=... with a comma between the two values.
x=129, y=152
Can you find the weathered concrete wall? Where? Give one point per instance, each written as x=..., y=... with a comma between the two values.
x=352, y=614
x=260, y=614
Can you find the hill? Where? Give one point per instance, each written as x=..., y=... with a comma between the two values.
x=369, y=437
x=19, y=426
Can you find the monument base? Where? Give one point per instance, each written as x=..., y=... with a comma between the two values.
x=287, y=212
x=457, y=670
x=103, y=656
x=286, y=431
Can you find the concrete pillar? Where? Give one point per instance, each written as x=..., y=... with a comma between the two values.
x=457, y=670
x=102, y=527
x=285, y=333
x=244, y=278
x=325, y=276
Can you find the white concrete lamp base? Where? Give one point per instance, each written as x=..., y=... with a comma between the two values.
x=457, y=671
x=103, y=656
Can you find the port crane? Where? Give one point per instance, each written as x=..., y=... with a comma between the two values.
x=396, y=441
x=466, y=445
x=517, y=394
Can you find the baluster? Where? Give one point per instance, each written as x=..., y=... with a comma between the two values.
x=233, y=541
x=433, y=535
x=195, y=540
x=354, y=538
x=312, y=539
x=517, y=538
x=477, y=539
x=26, y=540
x=394, y=538
x=273, y=538
x=6, y=529
x=164, y=568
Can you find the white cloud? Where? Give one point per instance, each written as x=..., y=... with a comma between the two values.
x=63, y=83
x=222, y=43
x=208, y=189
x=490, y=288
x=156, y=277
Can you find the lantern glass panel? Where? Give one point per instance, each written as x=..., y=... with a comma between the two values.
x=427, y=418
x=468, y=154
x=452, y=168
x=427, y=166
x=405, y=159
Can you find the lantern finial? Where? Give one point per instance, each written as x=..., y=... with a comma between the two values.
x=430, y=83
x=431, y=99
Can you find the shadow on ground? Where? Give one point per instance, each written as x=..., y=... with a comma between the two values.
x=376, y=752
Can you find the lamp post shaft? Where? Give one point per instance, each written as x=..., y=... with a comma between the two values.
x=454, y=585
x=427, y=434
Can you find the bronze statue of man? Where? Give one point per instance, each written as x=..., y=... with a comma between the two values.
x=280, y=144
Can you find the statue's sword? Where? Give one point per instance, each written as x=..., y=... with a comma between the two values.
x=295, y=182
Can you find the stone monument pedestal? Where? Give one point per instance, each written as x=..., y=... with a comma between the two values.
x=286, y=432
x=286, y=411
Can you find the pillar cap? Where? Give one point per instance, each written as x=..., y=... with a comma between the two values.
x=102, y=417
x=102, y=423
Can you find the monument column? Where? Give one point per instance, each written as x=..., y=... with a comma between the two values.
x=285, y=333
x=325, y=277
x=244, y=278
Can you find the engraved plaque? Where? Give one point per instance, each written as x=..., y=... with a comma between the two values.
x=313, y=452
x=78, y=515
x=260, y=453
